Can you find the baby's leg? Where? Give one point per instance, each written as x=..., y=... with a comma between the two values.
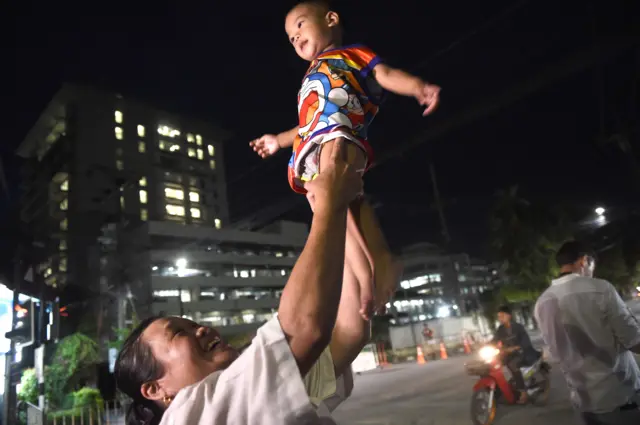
x=368, y=240
x=388, y=269
x=357, y=255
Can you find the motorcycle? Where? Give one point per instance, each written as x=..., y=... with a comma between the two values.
x=493, y=386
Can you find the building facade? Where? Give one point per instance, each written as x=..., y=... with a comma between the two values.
x=95, y=158
x=438, y=284
x=227, y=278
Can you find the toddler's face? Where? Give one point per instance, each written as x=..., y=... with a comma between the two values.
x=309, y=30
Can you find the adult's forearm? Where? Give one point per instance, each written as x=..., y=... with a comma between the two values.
x=309, y=302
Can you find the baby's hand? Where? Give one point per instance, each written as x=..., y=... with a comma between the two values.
x=428, y=95
x=266, y=145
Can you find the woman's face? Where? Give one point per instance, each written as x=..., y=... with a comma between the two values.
x=187, y=352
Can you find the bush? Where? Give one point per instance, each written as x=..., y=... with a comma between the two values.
x=87, y=397
x=28, y=387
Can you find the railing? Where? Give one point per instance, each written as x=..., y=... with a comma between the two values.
x=111, y=413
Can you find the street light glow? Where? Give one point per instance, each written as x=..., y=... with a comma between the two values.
x=600, y=211
x=181, y=263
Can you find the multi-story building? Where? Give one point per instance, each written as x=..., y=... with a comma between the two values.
x=438, y=284
x=95, y=157
x=228, y=278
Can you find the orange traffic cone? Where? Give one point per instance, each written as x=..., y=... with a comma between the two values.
x=467, y=348
x=443, y=351
x=420, y=355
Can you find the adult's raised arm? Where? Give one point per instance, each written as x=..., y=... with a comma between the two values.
x=309, y=302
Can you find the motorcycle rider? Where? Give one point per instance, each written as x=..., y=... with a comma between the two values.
x=516, y=347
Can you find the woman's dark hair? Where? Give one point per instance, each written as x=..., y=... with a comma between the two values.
x=136, y=365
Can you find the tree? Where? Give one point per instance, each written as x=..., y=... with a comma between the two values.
x=28, y=387
x=525, y=237
x=72, y=366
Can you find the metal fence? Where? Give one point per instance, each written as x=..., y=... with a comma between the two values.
x=111, y=413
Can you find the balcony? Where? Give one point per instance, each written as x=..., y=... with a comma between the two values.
x=173, y=282
x=172, y=305
x=203, y=257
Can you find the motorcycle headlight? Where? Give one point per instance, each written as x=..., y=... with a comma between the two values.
x=488, y=353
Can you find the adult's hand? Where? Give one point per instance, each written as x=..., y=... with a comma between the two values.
x=337, y=185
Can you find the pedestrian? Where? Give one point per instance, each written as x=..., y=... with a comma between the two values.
x=298, y=366
x=592, y=334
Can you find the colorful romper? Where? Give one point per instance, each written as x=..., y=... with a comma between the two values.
x=339, y=98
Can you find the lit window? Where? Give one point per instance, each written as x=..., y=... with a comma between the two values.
x=194, y=197
x=143, y=181
x=164, y=130
x=200, y=154
x=169, y=146
x=63, y=264
x=64, y=225
x=48, y=272
x=143, y=196
x=172, y=193
x=212, y=150
x=122, y=202
x=120, y=165
x=64, y=186
x=192, y=152
x=118, y=131
x=118, y=117
x=64, y=205
x=175, y=210
x=144, y=215
x=141, y=131
x=195, y=213
x=198, y=140
x=142, y=147
x=190, y=138
x=62, y=246
x=218, y=223
x=212, y=164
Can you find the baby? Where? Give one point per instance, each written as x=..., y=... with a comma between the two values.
x=340, y=95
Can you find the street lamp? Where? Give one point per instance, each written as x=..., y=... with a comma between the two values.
x=600, y=211
x=181, y=263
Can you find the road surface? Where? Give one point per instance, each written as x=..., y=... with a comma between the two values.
x=439, y=393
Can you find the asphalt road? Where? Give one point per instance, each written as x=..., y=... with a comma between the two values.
x=439, y=393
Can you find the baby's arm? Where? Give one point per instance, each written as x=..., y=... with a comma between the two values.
x=269, y=144
x=286, y=138
x=400, y=82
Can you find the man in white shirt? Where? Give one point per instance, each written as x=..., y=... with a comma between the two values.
x=592, y=334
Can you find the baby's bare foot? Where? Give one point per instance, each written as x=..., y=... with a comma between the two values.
x=386, y=281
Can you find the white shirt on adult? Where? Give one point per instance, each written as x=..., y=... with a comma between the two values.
x=263, y=387
x=589, y=331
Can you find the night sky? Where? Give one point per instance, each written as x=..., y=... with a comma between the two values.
x=230, y=63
